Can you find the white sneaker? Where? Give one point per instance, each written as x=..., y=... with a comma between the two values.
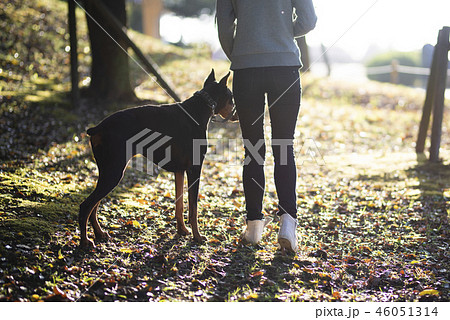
x=254, y=230
x=287, y=236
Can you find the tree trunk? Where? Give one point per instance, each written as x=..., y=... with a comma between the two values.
x=151, y=12
x=110, y=78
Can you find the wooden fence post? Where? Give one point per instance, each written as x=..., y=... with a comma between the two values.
x=438, y=111
x=435, y=96
x=394, y=71
x=427, y=106
x=326, y=59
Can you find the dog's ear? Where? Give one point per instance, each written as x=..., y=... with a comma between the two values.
x=224, y=80
x=211, y=78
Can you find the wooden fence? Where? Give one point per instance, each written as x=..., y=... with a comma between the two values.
x=394, y=69
x=435, y=96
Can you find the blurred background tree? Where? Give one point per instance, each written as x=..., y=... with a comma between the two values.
x=143, y=15
x=110, y=77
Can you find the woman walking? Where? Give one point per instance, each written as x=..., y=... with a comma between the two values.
x=258, y=38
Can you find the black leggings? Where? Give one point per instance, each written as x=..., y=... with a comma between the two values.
x=282, y=86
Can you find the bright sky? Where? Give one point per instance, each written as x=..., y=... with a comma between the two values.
x=391, y=24
x=353, y=25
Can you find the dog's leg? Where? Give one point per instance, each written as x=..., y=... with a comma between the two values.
x=108, y=179
x=179, y=188
x=98, y=231
x=85, y=211
x=194, y=183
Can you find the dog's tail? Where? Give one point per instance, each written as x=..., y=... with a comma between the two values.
x=92, y=131
x=96, y=137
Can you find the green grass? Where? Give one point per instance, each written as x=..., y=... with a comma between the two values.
x=373, y=216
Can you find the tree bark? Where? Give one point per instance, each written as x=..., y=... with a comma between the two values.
x=151, y=12
x=110, y=77
x=72, y=21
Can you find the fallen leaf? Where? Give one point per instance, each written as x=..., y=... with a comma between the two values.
x=253, y=295
x=35, y=297
x=133, y=223
x=59, y=292
x=431, y=292
x=257, y=273
x=136, y=224
x=336, y=295
x=126, y=250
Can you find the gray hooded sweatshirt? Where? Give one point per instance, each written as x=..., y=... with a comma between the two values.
x=260, y=33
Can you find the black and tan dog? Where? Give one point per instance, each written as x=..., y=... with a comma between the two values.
x=166, y=134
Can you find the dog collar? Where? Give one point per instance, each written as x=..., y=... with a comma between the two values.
x=203, y=94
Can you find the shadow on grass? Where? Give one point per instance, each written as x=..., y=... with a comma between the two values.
x=35, y=119
x=433, y=177
x=40, y=199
